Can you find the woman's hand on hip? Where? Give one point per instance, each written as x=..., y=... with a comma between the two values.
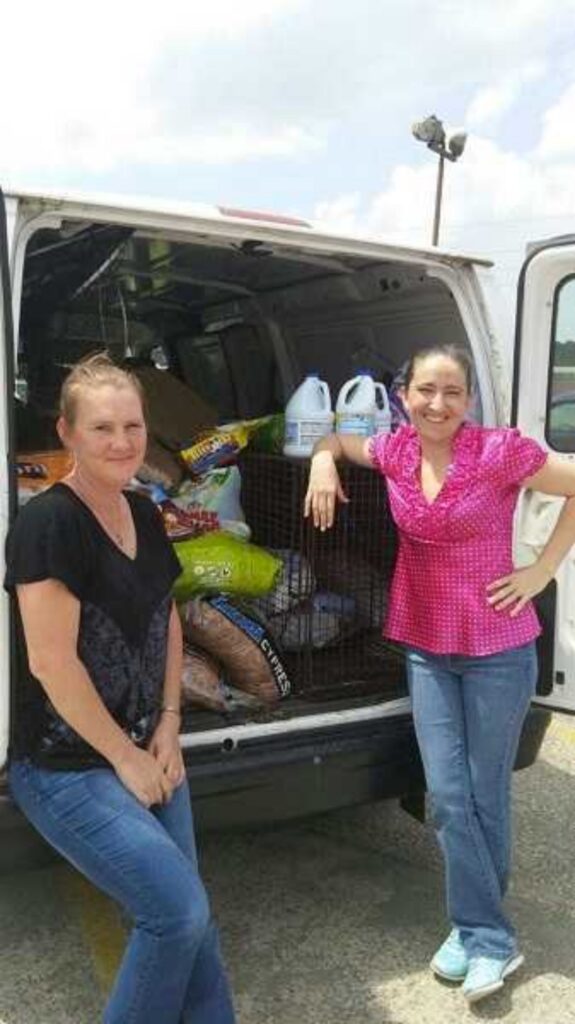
x=144, y=777
x=324, y=489
x=514, y=591
x=164, y=746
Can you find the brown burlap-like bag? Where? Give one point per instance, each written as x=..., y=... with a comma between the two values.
x=247, y=652
x=202, y=680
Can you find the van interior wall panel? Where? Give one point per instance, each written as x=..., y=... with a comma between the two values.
x=377, y=335
x=89, y=287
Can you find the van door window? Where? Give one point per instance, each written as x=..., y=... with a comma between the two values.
x=560, y=426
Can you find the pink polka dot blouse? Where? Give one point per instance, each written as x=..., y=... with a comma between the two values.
x=451, y=548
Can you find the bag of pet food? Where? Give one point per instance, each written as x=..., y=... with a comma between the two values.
x=218, y=495
x=220, y=563
x=304, y=627
x=269, y=437
x=184, y=523
x=361, y=582
x=295, y=583
x=220, y=446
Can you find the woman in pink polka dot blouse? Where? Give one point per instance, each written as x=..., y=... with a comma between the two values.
x=465, y=617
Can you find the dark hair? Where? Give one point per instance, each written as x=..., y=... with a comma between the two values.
x=95, y=371
x=454, y=352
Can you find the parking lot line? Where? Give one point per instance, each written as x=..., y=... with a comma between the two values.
x=561, y=731
x=99, y=922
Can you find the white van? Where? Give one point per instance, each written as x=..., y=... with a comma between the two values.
x=238, y=306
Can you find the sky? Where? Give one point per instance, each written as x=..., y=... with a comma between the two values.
x=304, y=107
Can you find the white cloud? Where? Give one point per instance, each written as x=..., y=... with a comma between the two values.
x=558, y=138
x=495, y=201
x=133, y=83
x=98, y=148
x=342, y=212
x=82, y=96
x=496, y=21
x=491, y=102
x=488, y=189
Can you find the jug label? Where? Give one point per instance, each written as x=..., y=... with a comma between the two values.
x=303, y=433
x=355, y=423
x=312, y=430
x=292, y=431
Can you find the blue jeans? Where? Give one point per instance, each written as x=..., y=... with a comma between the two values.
x=146, y=860
x=468, y=714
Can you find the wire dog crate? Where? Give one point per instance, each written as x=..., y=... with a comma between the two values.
x=327, y=611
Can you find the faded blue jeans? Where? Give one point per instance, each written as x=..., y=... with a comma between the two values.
x=146, y=860
x=468, y=713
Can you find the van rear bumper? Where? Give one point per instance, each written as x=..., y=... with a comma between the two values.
x=281, y=780
x=300, y=776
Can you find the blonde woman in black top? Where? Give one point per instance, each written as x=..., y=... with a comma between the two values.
x=96, y=763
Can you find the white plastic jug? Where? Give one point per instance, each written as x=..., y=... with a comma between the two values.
x=308, y=417
x=355, y=409
x=382, y=409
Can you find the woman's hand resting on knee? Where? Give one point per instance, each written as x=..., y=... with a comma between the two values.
x=144, y=777
x=165, y=747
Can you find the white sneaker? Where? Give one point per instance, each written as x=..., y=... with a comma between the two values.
x=486, y=975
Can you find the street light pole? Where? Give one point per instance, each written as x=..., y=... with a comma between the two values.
x=432, y=132
x=438, y=198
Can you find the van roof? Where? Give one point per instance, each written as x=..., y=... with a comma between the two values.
x=265, y=225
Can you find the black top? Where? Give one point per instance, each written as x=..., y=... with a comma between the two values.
x=123, y=629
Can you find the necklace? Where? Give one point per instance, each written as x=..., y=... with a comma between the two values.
x=116, y=527
x=117, y=535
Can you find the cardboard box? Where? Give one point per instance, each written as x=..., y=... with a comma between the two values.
x=175, y=413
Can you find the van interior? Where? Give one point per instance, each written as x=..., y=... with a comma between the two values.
x=239, y=324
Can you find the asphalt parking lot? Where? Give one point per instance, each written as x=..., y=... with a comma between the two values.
x=331, y=922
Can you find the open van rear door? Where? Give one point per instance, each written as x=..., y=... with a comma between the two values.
x=544, y=408
x=7, y=467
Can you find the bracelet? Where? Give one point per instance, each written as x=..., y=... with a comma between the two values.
x=171, y=710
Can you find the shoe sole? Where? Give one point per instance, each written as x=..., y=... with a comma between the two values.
x=488, y=990
x=455, y=978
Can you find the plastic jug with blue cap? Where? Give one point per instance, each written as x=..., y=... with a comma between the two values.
x=382, y=416
x=308, y=416
x=355, y=408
